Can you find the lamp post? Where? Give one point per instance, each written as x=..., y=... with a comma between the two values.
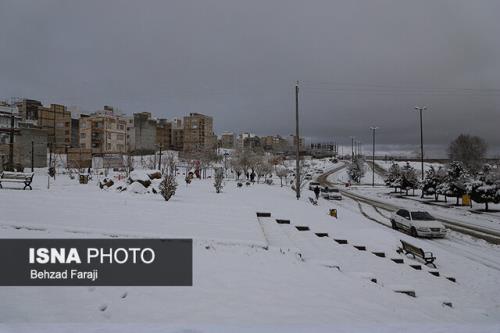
x=373, y=128
x=297, y=165
x=420, y=109
x=352, y=148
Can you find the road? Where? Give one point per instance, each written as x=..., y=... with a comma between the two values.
x=488, y=234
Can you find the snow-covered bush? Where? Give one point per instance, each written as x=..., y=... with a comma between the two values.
x=356, y=170
x=219, y=179
x=168, y=186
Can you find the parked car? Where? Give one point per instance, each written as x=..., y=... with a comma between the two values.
x=331, y=193
x=418, y=223
x=312, y=185
x=308, y=177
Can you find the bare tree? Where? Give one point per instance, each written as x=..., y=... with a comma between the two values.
x=470, y=150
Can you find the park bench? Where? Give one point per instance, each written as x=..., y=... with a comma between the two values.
x=415, y=251
x=17, y=177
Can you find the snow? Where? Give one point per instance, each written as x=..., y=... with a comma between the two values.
x=250, y=273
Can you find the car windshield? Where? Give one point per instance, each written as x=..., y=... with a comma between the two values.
x=421, y=216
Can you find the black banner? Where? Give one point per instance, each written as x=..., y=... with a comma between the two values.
x=96, y=262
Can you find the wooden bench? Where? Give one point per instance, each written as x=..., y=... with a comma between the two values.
x=415, y=251
x=16, y=177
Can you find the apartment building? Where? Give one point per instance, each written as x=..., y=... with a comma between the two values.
x=29, y=110
x=105, y=132
x=164, y=134
x=56, y=121
x=177, y=138
x=227, y=140
x=198, y=132
x=274, y=143
x=141, y=133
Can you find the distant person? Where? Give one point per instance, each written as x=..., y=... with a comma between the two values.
x=316, y=192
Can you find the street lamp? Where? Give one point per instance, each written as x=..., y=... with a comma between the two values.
x=420, y=109
x=352, y=148
x=297, y=144
x=373, y=128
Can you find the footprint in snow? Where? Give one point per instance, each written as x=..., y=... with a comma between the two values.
x=124, y=295
x=103, y=307
x=91, y=289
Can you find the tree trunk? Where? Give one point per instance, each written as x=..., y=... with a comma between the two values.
x=486, y=206
x=436, y=197
x=457, y=200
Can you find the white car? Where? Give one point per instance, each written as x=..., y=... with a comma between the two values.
x=331, y=193
x=418, y=223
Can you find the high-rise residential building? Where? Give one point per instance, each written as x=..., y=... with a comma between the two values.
x=29, y=110
x=164, y=134
x=105, y=132
x=227, y=140
x=56, y=121
x=292, y=141
x=142, y=133
x=274, y=143
x=198, y=133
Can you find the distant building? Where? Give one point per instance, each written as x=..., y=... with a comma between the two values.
x=227, y=140
x=292, y=142
x=56, y=121
x=104, y=132
x=177, y=137
x=198, y=133
x=143, y=138
x=164, y=134
x=29, y=110
x=274, y=143
x=75, y=133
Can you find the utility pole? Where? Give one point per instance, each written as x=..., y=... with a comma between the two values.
x=373, y=128
x=33, y=156
x=11, y=142
x=420, y=109
x=297, y=144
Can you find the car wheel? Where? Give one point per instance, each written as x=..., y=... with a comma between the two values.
x=413, y=232
x=394, y=226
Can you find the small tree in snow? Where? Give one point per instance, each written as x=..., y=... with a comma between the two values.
x=487, y=188
x=393, y=177
x=219, y=179
x=356, y=170
x=455, y=181
x=282, y=172
x=409, y=179
x=168, y=186
x=433, y=178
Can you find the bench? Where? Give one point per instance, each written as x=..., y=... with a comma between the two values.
x=415, y=251
x=17, y=177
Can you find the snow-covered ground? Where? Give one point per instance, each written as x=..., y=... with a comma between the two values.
x=250, y=271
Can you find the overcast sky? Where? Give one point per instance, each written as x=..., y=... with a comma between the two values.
x=359, y=63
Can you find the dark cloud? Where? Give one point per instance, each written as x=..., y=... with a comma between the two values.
x=360, y=63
